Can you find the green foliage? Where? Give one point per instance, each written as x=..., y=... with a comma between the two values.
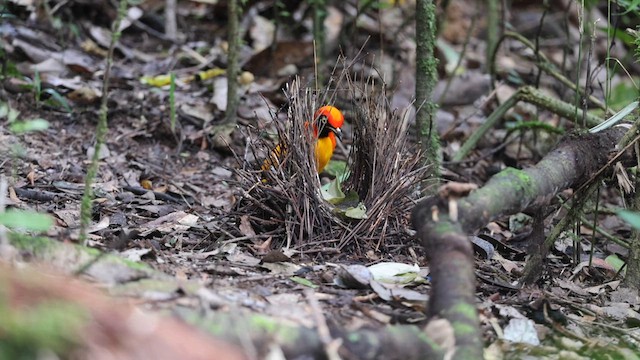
x=37, y=87
x=57, y=100
x=8, y=112
x=303, y=282
x=172, y=101
x=26, y=220
x=21, y=127
x=625, y=37
x=18, y=126
x=25, y=333
x=337, y=168
x=622, y=95
x=332, y=192
x=615, y=262
x=358, y=212
x=532, y=125
x=636, y=42
x=374, y=4
x=347, y=205
x=101, y=128
x=21, y=219
x=631, y=217
x=629, y=5
x=35, y=245
x=281, y=9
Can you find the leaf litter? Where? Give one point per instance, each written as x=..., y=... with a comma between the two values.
x=192, y=225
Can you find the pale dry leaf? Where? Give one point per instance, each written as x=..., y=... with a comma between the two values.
x=245, y=226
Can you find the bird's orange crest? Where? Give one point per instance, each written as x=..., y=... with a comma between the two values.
x=332, y=114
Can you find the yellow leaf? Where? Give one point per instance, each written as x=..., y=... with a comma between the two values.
x=158, y=81
x=211, y=73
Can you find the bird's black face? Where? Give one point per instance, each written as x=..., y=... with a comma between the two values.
x=326, y=128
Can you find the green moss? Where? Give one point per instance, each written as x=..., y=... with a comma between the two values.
x=216, y=328
x=46, y=247
x=354, y=337
x=157, y=285
x=444, y=227
x=33, y=244
x=263, y=323
x=469, y=311
x=48, y=326
x=136, y=265
x=463, y=329
x=524, y=180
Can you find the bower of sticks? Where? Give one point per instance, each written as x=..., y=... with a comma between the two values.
x=383, y=173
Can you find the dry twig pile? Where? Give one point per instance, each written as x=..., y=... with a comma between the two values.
x=287, y=202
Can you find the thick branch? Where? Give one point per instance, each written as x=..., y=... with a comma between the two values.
x=572, y=163
x=260, y=332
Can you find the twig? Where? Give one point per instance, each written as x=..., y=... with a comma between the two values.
x=331, y=345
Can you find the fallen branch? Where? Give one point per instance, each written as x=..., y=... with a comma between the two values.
x=533, y=96
x=444, y=233
x=262, y=332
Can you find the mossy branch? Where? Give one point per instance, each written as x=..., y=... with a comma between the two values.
x=233, y=67
x=442, y=223
x=545, y=65
x=532, y=270
x=319, y=15
x=632, y=278
x=530, y=95
x=493, y=32
x=390, y=342
x=101, y=128
x=426, y=78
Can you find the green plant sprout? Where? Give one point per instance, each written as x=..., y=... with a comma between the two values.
x=15, y=219
x=172, y=101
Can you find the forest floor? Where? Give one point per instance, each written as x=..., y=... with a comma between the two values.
x=172, y=199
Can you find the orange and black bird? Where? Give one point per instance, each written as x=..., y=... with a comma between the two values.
x=327, y=124
x=328, y=121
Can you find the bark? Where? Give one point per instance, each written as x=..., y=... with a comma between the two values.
x=319, y=16
x=261, y=332
x=426, y=78
x=632, y=277
x=233, y=67
x=493, y=30
x=574, y=161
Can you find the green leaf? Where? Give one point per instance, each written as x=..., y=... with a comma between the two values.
x=26, y=220
x=615, y=262
x=631, y=217
x=337, y=168
x=332, y=192
x=12, y=115
x=359, y=212
x=4, y=110
x=21, y=127
x=59, y=99
x=303, y=281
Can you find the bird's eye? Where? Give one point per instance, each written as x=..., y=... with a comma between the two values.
x=322, y=121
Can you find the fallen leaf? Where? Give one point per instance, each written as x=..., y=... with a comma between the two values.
x=245, y=226
x=521, y=331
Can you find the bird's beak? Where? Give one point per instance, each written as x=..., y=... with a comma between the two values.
x=338, y=132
